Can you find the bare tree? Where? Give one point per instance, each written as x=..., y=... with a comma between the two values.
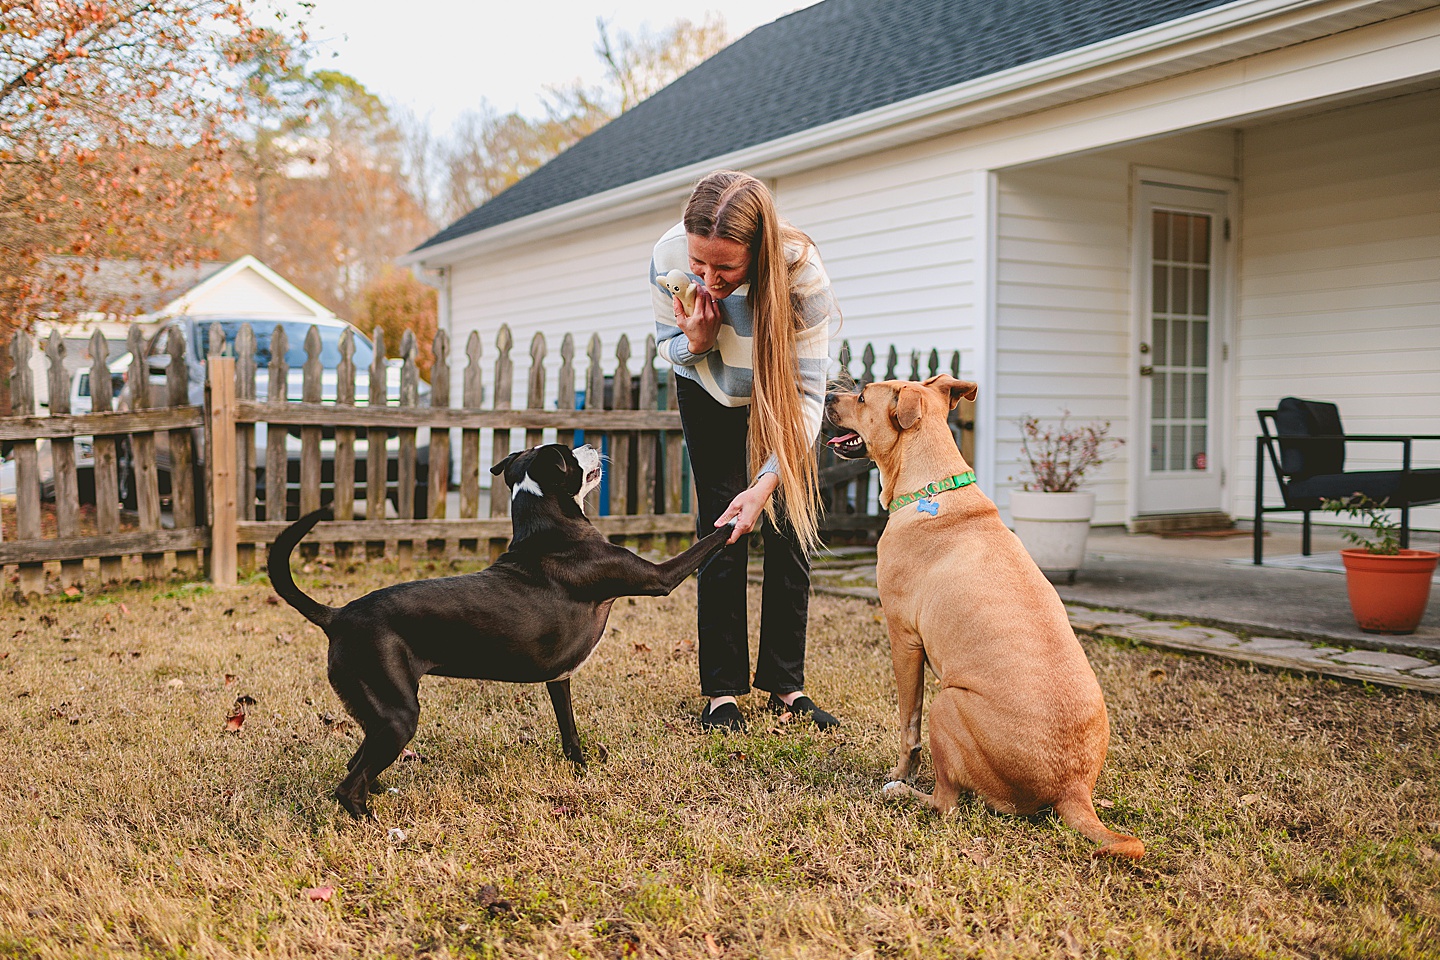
x=490, y=150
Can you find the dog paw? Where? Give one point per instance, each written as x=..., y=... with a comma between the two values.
x=894, y=789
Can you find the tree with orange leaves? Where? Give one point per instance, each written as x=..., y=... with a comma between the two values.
x=113, y=144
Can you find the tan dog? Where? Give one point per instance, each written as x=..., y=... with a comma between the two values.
x=1019, y=719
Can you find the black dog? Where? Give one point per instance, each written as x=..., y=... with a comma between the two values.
x=534, y=616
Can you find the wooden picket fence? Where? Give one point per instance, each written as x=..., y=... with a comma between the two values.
x=388, y=499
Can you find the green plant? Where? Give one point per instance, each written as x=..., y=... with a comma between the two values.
x=1384, y=538
x=1058, y=456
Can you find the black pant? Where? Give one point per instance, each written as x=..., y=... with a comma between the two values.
x=715, y=435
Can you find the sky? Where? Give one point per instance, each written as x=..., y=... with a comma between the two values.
x=439, y=58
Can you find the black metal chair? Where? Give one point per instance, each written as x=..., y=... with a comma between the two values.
x=1307, y=453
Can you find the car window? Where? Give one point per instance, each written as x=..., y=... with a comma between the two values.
x=295, y=333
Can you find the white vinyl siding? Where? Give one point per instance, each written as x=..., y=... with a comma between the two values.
x=1340, y=279
x=897, y=236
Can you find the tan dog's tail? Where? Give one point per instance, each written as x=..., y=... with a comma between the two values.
x=1078, y=812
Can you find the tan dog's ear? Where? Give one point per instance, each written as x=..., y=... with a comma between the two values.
x=956, y=388
x=909, y=405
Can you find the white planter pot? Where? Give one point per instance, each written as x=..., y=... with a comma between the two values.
x=1053, y=528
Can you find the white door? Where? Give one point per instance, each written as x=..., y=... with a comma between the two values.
x=1180, y=256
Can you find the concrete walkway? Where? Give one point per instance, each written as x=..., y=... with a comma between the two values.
x=1203, y=595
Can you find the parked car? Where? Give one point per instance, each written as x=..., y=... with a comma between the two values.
x=195, y=334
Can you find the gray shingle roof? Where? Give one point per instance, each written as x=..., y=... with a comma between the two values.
x=827, y=62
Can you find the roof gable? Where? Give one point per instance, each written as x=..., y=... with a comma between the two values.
x=827, y=62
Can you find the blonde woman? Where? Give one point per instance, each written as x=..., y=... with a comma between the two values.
x=751, y=360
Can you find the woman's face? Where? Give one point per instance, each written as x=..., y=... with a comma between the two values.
x=722, y=265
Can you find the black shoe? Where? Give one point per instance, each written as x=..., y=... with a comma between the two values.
x=724, y=718
x=805, y=708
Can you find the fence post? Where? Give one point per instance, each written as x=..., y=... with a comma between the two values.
x=27, y=462
x=224, y=538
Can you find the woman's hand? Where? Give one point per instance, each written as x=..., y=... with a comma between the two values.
x=702, y=327
x=745, y=509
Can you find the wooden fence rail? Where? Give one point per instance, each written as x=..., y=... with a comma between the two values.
x=385, y=467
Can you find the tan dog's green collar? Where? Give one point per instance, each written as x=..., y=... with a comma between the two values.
x=932, y=488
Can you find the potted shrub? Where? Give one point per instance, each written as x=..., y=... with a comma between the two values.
x=1388, y=587
x=1052, y=515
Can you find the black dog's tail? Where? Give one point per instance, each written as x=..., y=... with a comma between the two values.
x=280, y=578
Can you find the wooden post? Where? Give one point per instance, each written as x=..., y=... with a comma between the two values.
x=500, y=437
x=473, y=399
x=107, y=486
x=62, y=461
x=145, y=474
x=594, y=400
x=184, y=510
x=405, y=471
x=224, y=557
x=439, y=436
x=535, y=389
x=27, y=462
x=377, y=397
x=245, y=454
x=674, y=501
x=310, y=392
x=646, y=442
x=277, y=465
x=622, y=398
x=344, y=504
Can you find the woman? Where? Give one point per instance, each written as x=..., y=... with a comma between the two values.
x=751, y=361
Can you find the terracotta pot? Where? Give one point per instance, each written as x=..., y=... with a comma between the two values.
x=1388, y=594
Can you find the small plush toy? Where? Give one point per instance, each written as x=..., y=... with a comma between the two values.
x=680, y=286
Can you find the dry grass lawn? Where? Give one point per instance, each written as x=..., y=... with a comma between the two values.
x=1285, y=817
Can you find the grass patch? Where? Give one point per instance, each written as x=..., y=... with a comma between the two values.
x=1285, y=816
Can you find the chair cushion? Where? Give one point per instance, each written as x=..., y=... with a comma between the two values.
x=1296, y=418
x=1416, y=488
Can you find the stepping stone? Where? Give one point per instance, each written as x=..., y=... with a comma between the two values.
x=1319, y=654
x=1385, y=661
x=1103, y=618
x=1427, y=672
x=1190, y=634
x=1281, y=647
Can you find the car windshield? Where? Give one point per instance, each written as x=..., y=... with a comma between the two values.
x=295, y=333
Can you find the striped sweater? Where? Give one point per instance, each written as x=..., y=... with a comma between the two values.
x=726, y=371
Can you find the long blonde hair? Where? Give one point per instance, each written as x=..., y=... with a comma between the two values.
x=737, y=207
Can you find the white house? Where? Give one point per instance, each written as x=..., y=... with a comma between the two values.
x=243, y=287
x=1163, y=214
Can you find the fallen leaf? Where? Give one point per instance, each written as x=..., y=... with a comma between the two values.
x=409, y=755
x=176, y=684
x=1071, y=945
x=236, y=720
x=124, y=609
x=1105, y=804
x=1158, y=675
x=562, y=811
x=272, y=600
x=72, y=591
x=322, y=894
x=396, y=835
x=245, y=700
x=230, y=679
x=1249, y=798
x=711, y=947
x=642, y=648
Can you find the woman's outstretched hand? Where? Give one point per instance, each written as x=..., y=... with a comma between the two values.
x=701, y=327
x=745, y=509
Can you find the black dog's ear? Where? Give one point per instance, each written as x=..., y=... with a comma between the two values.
x=550, y=464
x=500, y=467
